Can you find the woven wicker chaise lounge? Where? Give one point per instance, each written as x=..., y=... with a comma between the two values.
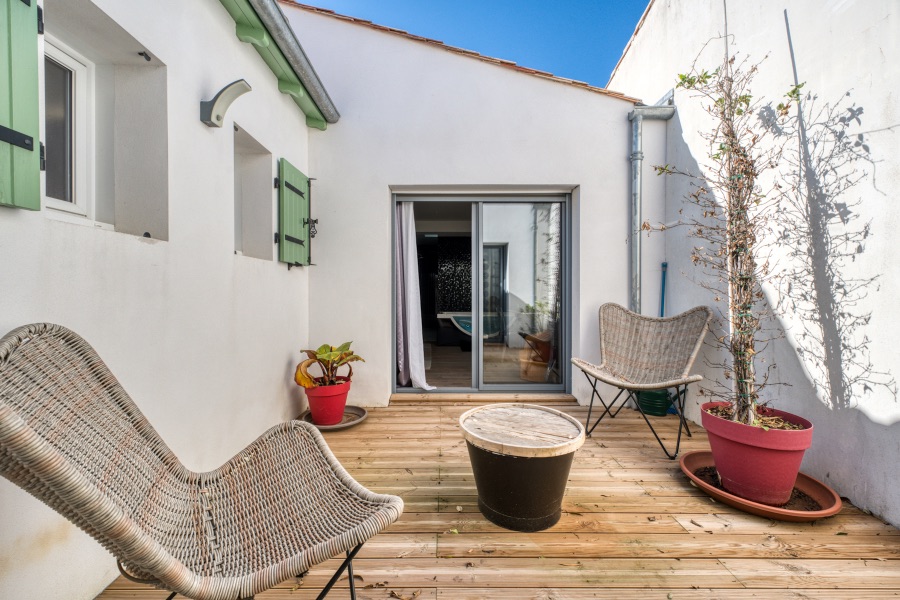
x=71, y=436
x=641, y=353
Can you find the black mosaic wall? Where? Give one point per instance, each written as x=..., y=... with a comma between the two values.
x=454, y=276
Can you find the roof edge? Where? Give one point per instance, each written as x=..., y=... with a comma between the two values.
x=275, y=22
x=461, y=51
x=631, y=39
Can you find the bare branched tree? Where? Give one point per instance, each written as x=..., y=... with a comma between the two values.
x=737, y=199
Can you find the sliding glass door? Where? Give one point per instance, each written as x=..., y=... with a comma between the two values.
x=493, y=291
x=522, y=293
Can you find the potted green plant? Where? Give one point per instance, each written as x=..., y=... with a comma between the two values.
x=757, y=450
x=327, y=393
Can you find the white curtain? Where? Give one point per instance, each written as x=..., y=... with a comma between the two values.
x=410, y=344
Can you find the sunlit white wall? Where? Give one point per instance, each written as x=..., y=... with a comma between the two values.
x=847, y=53
x=416, y=117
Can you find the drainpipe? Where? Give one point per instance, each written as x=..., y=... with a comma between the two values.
x=637, y=116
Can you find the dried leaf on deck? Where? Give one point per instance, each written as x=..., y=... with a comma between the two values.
x=415, y=595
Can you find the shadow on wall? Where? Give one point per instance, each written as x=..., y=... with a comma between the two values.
x=824, y=234
x=850, y=451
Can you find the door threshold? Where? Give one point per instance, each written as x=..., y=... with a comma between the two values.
x=485, y=398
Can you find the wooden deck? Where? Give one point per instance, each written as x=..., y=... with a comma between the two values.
x=632, y=527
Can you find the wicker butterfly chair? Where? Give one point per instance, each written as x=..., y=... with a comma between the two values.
x=71, y=436
x=641, y=353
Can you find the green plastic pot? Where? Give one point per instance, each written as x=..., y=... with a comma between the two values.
x=655, y=403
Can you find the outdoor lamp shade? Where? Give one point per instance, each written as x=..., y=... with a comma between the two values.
x=212, y=112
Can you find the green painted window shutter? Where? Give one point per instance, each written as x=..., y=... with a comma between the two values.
x=20, y=163
x=293, y=215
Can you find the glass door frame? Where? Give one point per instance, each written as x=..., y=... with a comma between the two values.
x=478, y=201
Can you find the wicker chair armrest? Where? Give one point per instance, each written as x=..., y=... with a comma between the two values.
x=590, y=368
x=600, y=373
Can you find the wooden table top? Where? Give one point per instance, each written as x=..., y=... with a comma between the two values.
x=525, y=430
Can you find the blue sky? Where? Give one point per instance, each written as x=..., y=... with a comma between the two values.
x=577, y=39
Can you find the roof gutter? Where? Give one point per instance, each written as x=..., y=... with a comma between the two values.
x=637, y=116
x=272, y=17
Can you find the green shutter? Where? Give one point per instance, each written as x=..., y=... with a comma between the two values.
x=20, y=163
x=293, y=215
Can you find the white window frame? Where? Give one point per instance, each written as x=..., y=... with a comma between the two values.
x=82, y=119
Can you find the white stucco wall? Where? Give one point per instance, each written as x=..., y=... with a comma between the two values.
x=205, y=341
x=847, y=53
x=419, y=118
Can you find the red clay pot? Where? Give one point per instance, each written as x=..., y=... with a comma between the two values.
x=754, y=463
x=327, y=402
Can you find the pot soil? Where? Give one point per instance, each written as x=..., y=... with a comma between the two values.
x=758, y=464
x=327, y=402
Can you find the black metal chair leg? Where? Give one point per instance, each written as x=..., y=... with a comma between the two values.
x=607, y=409
x=679, y=401
x=352, y=583
x=680, y=397
x=679, y=407
x=344, y=565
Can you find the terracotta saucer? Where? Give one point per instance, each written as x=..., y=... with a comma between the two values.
x=353, y=415
x=815, y=489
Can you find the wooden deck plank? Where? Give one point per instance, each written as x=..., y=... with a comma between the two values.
x=658, y=545
x=600, y=522
x=122, y=590
x=790, y=573
x=633, y=527
x=661, y=594
x=540, y=572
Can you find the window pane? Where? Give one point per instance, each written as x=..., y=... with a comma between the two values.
x=522, y=299
x=58, y=82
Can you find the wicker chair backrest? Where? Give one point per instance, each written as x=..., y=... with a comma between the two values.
x=71, y=436
x=646, y=350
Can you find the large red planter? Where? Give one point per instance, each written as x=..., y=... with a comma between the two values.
x=327, y=402
x=754, y=463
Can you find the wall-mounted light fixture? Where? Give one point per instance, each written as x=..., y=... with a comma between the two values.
x=212, y=112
